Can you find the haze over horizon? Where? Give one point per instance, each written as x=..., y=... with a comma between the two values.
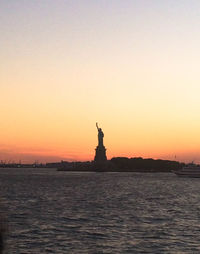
x=133, y=66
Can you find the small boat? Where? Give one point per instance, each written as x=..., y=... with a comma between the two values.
x=190, y=170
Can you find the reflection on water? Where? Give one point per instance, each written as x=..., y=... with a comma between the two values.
x=60, y=212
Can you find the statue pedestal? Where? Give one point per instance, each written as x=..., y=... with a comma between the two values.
x=100, y=155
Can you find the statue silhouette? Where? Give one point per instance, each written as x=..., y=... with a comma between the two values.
x=100, y=136
x=100, y=155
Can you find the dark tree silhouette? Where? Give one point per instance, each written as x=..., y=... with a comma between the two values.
x=139, y=164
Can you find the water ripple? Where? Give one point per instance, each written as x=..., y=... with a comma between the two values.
x=60, y=212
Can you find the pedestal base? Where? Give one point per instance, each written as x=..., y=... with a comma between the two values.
x=100, y=156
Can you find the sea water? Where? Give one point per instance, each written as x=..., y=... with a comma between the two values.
x=61, y=212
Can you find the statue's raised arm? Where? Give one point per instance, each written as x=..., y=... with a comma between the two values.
x=100, y=135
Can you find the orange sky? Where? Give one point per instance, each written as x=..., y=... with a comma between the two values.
x=133, y=66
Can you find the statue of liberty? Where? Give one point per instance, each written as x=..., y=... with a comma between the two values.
x=100, y=155
x=100, y=136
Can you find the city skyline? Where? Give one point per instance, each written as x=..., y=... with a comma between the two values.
x=132, y=66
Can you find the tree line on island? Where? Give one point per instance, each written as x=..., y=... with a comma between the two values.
x=142, y=165
x=122, y=164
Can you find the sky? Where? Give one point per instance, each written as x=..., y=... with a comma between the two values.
x=132, y=66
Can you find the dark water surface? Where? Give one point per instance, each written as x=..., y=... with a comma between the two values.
x=61, y=212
